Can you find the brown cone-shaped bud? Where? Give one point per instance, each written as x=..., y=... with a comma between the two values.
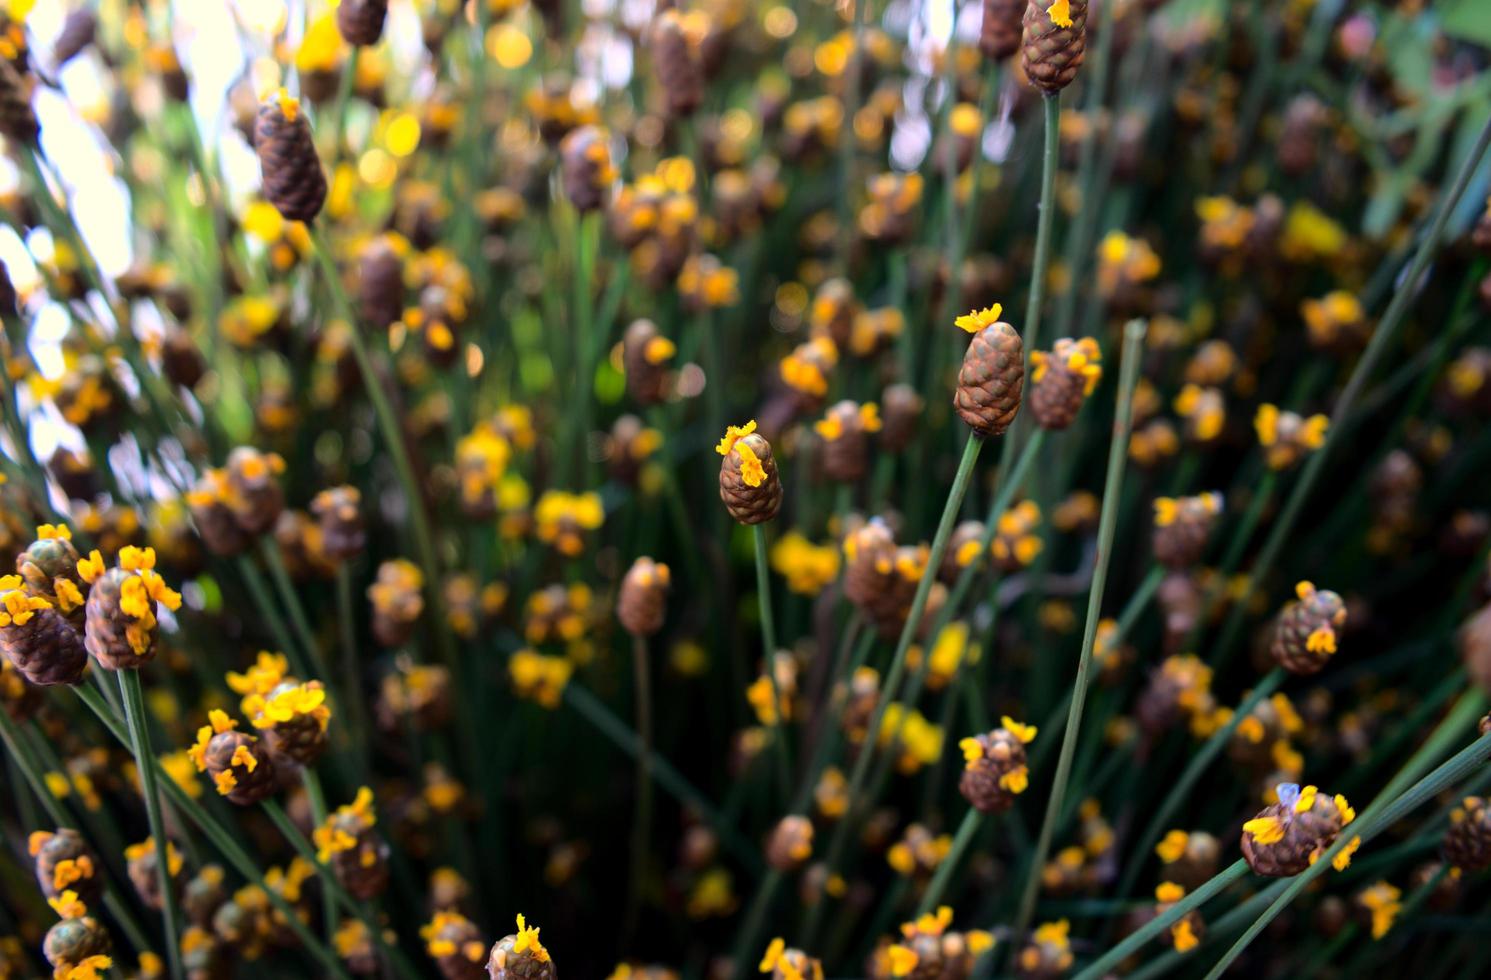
x=456, y=946
x=301, y=737
x=1062, y=379
x=675, y=58
x=252, y=781
x=339, y=511
x=520, y=957
x=585, y=167
x=1003, y=24
x=255, y=496
x=642, y=602
x=845, y=430
x=361, y=21
x=1182, y=528
x=46, y=648
x=363, y=868
x=900, y=411
x=108, y=629
x=214, y=519
x=72, y=941
x=994, y=768
x=790, y=844
x=644, y=357
x=1306, y=631
x=181, y=360
x=78, y=31
x=1052, y=52
x=1287, y=837
x=203, y=895
x=749, y=484
x=144, y=871
x=292, y=177
x=1195, y=862
x=1474, y=640
x=48, y=559
x=380, y=283
x=1467, y=842
x=991, y=380
x=17, y=118
x=64, y=862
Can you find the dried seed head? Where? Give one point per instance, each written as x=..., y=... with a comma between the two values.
x=36, y=638
x=791, y=843
x=76, y=942
x=339, y=511
x=1467, y=842
x=64, y=862
x=642, y=601
x=1307, y=630
x=520, y=956
x=994, y=766
x=239, y=765
x=456, y=945
x=749, y=484
x=1062, y=380
x=676, y=37
x=1000, y=31
x=1054, y=43
x=845, y=431
x=1289, y=836
x=992, y=378
x=292, y=177
x=585, y=167
x=1182, y=528
x=900, y=411
x=361, y=21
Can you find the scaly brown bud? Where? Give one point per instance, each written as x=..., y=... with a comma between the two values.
x=585, y=167
x=380, y=283
x=1182, y=528
x=292, y=177
x=749, y=484
x=361, y=21
x=992, y=379
x=1467, y=842
x=675, y=58
x=642, y=602
x=1054, y=43
x=994, y=766
x=1306, y=632
x=1003, y=24
x=1289, y=836
x=1062, y=380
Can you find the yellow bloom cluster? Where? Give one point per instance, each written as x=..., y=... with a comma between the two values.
x=539, y=677
x=808, y=568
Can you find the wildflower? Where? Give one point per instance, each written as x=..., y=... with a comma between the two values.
x=994, y=766
x=539, y=677
x=808, y=568
x=645, y=354
x=1182, y=528
x=1049, y=952
x=749, y=485
x=1016, y=542
x=361, y=21
x=414, y=694
x=121, y=624
x=1381, y=901
x=49, y=567
x=1467, y=842
x=1054, y=43
x=845, y=432
x=455, y=944
x=347, y=841
x=41, y=644
x=397, y=601
x=293, y=717
x=64, y=862
x=640, y=605
x=706, y=284
x=1187, y=931
x=240, y=768
x=1180, y=689
x=144, y=872
x=520, y=956
x=790, y=844
x=786, y=963
x=807, y=368
x=585, y=167
x=79, y=945
x=1305, y=634
x=563, y=518
x=1204, y=411
x=992, y=377
x=1336, y=322
x=293, y=180
x=918, y=852
x=1062, y=380
x=1289, y=836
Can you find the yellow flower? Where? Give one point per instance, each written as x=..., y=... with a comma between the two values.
x=1025, y=733
x=976, y=320
x=733, y=434
x=1265, y=830
x=1060, y=13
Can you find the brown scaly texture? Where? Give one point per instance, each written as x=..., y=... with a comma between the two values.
x=249, y=787
x=507, y=962
x=679, y=73
x=846, y=456
x=77, y=33
x=1051, y=54
x=642, y=602
x=1306, y=835
x=293, y=180
x=1002, y=753
x=86, y=874
x=880, y=578
x=215, y=522
x=380, y=283
x=339, y=511
x=1183, y=528
x=363, y=868
x=17, y=118
x=900, y=411
x=301, y=737
x=203, y=895
x=47, y=649
x=1320, y=613
x=144, y=874
x=1059, y=385
x=646, y=370
x=44, y=562
x=72, y=941
x=748, y=504
x=458, y=939
x=1467, y=842
x=790, y=844
x=1474, y=640
x=256, y=498
x=991, y=380
x=999, y=34
x=585, y=167
x=361, y=21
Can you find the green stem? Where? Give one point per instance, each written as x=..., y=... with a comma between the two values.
x=270, y=549
x=139, y=732
x=259, y=592
x=1133, y=337
x=742, y=957
x=769, y=660
x=220, y=838
x=847, y=137
x=971, y=821
x=316, y=799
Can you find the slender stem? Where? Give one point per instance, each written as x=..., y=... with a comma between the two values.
x=769, y=660
x=1136, y=940
x=351, y=671
x=139, y=732
x=291, y=600
x=1387, y=331
x=971, y=822
x=393, y=435
x=259, y=592
x=220, y=838
x=1384, y=811
x=642, y=816
x=1133, y=337
x=316, y=799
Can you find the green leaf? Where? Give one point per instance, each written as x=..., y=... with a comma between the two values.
x=1465, y=20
